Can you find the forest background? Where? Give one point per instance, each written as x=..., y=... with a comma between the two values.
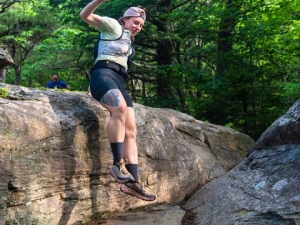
x=228, y=62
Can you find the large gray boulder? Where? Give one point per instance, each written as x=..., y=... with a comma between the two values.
x=55, y=158
x=5, y=58
x=264, y=188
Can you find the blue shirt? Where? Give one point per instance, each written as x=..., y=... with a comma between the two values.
x=59, y=84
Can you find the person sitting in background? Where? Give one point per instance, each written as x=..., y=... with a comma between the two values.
x=57, y=83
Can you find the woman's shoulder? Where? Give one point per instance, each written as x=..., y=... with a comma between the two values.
x=111, y=25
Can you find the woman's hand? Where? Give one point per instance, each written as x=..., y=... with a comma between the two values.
x=88, y=16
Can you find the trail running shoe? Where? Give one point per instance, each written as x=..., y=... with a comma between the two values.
x=120, y=173
x=137, y=190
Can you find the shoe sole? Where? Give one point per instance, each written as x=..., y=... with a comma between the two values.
x=111, y=172
x=129, y=191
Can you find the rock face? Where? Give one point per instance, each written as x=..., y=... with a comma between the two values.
x=283, y=131
x=5, y=58
x=55, y=157
x=263, y=188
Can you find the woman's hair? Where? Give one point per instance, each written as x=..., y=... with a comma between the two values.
x=122, y=23
x=132, y=12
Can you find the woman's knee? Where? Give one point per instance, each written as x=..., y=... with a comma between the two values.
x=130, y=134
x=119, y=112
x=130, y=131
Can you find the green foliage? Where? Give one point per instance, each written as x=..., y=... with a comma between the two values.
x=231, y=64
x=57, y=54
x=3, y=93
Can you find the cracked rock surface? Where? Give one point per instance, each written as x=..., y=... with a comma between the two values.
x=264, y=188
x=55, y=158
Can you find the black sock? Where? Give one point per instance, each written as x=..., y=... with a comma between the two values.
x=133, y=169
x=117, y=151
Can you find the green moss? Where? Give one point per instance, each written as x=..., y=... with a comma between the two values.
x=3, y=93
x=244, y=212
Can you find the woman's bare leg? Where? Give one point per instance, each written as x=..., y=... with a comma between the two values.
x=113, y=101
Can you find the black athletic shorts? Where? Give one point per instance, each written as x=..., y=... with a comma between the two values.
x=105, y=79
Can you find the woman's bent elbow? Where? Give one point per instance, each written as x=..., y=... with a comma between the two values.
x=82, y=16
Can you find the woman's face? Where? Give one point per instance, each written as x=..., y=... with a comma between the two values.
x=134, y=24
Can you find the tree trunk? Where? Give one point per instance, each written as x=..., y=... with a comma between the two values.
x=226, y=60
x=225, y=36
x=164, y=58
x=164, y=51
x=3, y=75
x=18, y=74
x=30, y=82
